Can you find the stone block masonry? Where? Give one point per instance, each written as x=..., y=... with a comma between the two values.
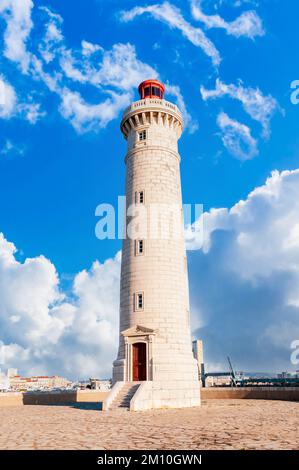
x=155, y=338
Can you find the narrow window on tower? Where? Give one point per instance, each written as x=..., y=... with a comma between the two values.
x=139, y=197
x=142, y=135
x=139, y=247
x=139, y=301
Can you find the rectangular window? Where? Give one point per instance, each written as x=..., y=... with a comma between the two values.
x=142, y=135
x=139, y=197
x=139, y=247
x=139, y=301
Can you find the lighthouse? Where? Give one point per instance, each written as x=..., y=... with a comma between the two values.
x=155, y=367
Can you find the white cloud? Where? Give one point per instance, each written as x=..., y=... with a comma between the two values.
x=237, y=138
x=31, y=111
x=107, y=70
x=27, y=290
x=11, y=148
x=248, y=298
x=53, y=35
x=115, y=73
x=248, y=24
x=240, y=3
x=17, y=15
x=261, y=108
x=50, y=80
x=8, y=99
x=119, y=67
x=235, y=3
x=7, y=148
x=89, y=48
x=11, y=106
x=171, y=15
x=84, y=116
x=116, y=69
x=42, y=331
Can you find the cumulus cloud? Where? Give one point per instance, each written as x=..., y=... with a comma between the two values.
x=237, y=138
x=248, y=24
x=42, y=331
x=261, y=108
x=244, y=278
x=27, y=290
x=171, y=15
x=8, y=99
x=17, y=15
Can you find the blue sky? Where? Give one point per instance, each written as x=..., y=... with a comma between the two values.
x=68, y=69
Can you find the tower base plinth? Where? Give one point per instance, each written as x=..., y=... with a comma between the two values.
x=153, y=395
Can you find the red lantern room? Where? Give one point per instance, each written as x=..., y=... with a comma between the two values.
x=151, y=89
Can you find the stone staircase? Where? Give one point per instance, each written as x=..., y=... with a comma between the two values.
x=124, y=396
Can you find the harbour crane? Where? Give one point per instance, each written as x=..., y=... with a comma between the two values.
x=233, y=375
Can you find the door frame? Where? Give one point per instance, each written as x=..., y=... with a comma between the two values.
x=133, y=335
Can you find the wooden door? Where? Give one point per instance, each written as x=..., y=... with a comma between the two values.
x=139, y=362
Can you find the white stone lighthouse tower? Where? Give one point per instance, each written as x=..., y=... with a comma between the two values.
x=155, y=367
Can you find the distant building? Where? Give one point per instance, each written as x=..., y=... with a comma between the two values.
x=197, y=349
x=102, y=385
x=45, y=382
x=12, y=372
x=218, y=381
x=288, y=375
x=4, y=382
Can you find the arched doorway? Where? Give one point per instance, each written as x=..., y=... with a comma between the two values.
x=139, y=362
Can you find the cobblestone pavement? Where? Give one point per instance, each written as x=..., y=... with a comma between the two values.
x=218, y=424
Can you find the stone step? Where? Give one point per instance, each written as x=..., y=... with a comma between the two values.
x=125, y=395
x=123, y=400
